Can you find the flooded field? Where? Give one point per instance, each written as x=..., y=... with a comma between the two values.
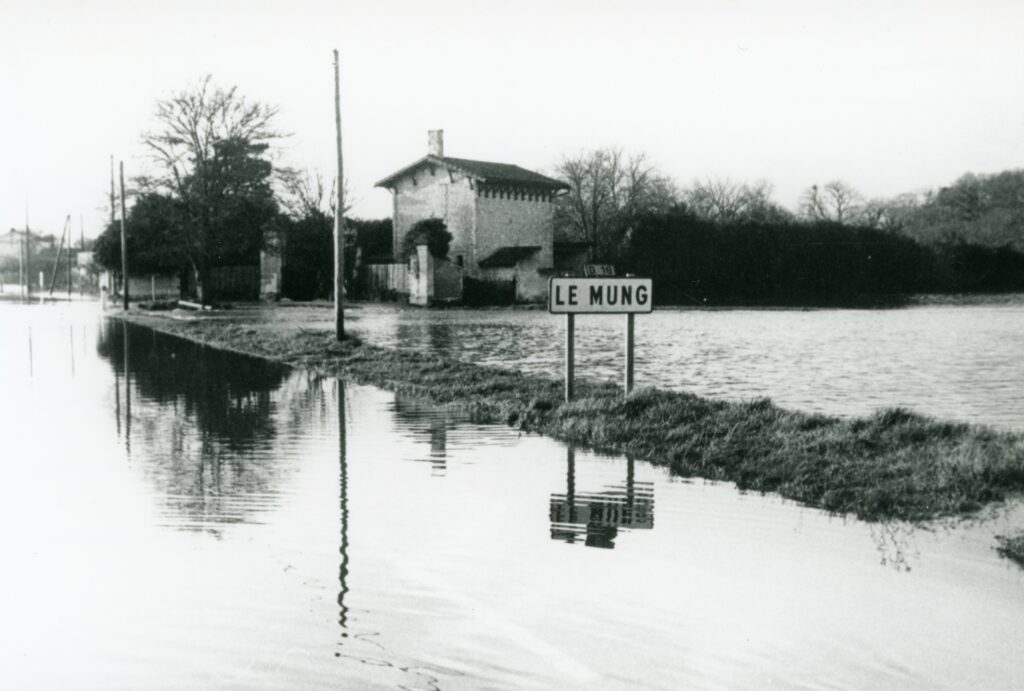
x=176, y=517
x=958, y=362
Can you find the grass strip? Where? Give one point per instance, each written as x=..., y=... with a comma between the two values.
x=894, y=464
x=1011, y=547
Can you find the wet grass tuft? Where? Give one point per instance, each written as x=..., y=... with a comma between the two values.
x=894, y=464
x=1011, y=547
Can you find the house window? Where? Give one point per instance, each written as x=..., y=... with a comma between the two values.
x=458, y=259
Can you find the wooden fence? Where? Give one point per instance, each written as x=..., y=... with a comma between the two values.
x=386, y=280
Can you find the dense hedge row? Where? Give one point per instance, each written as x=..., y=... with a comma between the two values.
x=694, y=261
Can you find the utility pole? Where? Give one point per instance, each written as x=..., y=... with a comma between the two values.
x=112, y=220
x=124, y=244
x=70, y=257
x=81, y=248
x=21, y=268
x=339, y=217
x=28, y=257
x=60, y=252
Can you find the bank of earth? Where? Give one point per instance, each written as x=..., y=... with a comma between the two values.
x=894, y=464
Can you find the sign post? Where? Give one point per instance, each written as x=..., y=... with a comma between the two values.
x=570, y=355
x=572, y=295
x=627, y=384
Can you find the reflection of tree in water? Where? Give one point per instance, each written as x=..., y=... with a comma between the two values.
x=201, y=421
x=229, y=395
x=597, y=516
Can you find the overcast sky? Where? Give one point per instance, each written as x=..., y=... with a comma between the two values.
x=889, y=96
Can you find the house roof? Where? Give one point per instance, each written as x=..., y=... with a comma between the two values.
x=485, y=171
x=508, y=256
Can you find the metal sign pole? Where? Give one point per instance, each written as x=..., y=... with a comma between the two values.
x=629, y=354
x=570, y=355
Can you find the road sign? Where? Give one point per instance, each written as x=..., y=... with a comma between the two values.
x=598, y=270
x=605, y=295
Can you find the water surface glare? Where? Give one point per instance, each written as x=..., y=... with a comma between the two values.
x=176, y=517
x=959, y=362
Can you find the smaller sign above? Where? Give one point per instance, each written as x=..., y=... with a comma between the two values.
x=598, y=270
x=607, y=295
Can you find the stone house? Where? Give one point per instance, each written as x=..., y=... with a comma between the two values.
x=501, y=216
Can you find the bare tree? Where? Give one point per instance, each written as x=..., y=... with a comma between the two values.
x=892, y=214
x=723, y=201
x=836, y=201
x=608, y=191
x=210, y=145
x=305, y=192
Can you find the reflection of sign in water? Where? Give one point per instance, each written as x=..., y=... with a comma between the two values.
x=596, y=517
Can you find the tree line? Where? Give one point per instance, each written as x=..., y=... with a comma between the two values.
x=721, y=242
x=217, y=196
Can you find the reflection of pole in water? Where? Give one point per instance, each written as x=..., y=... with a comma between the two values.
x=343, y=499
x=438, y=444
x=598, y=516
x=570, y=486
x=117, y=400
x=127, y=395
x=630, y=478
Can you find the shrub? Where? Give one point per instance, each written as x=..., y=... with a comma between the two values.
x=431, y=231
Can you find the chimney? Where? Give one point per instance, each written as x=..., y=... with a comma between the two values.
x=435, y=143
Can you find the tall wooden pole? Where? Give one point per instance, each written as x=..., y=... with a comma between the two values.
x=81, y=247
x=113, y=220
x=339, y=217
x=60, y=252
x=113, y=205
x=21, y=268
x=124, y=244
x=28, y=258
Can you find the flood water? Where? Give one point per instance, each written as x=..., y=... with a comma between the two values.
x=954, y=361
x=176, y=517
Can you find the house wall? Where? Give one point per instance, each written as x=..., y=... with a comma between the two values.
x=447, y=281
x=438, y=195
x=421, y=277
x=531, y=282
x=504, y=221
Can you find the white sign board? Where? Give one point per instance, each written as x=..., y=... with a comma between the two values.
x=608, y=295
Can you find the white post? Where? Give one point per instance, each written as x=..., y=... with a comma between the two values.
x=629, y=353
x=570, y=355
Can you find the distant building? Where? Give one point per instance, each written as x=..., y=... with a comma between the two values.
x=12, y=243
x=501, y=217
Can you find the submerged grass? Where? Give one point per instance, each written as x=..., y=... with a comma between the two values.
x=892, y=465
x=1011, y=547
